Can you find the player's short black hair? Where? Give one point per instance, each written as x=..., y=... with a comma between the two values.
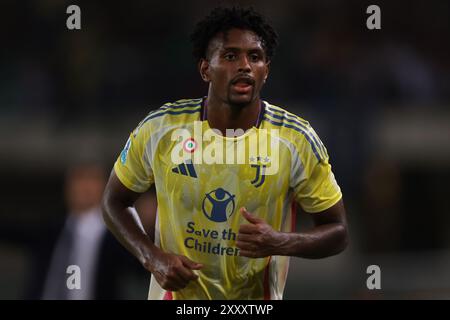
x=222, y=19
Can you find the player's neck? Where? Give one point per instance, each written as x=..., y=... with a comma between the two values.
x=224, y=116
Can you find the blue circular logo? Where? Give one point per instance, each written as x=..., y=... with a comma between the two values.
x=218, y=205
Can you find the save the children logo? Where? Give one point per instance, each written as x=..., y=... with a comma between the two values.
x=218, y=205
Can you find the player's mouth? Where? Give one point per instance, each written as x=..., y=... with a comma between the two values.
x=242, y=84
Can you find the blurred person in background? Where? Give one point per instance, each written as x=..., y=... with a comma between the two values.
x=81, y=240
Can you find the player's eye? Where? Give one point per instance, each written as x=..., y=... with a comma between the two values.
x=230, y=56
x=254, y=57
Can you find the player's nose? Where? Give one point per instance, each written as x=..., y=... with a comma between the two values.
x=244, y=65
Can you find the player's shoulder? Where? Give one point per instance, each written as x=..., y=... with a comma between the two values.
x=293, y=129
x=172, y=113
x=279, y=117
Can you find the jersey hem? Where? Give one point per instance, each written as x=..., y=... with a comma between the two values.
x=125, y=180
x=325, y=205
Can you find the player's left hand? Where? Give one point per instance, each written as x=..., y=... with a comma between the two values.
x=258, y=239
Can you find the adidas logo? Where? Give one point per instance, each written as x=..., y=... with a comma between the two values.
x=186, y=169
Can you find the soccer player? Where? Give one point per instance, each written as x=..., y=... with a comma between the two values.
x=225, y=217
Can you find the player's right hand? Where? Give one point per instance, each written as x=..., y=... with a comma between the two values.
x=173, y=272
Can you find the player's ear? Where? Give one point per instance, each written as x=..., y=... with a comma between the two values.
x=267, y=70
x=203, y=67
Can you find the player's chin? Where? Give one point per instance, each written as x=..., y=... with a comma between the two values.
x=240, y=99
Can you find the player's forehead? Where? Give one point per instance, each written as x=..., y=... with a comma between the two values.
x=235, y=38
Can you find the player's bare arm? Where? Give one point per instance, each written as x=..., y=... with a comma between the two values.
x=173, y=272
x=328, y=237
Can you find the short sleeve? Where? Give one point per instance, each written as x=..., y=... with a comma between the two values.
x=314, y=184
x=133, y=166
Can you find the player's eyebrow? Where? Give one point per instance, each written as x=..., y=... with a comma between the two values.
x=236, y=49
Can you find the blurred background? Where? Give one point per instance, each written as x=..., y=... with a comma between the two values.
x=379, y=99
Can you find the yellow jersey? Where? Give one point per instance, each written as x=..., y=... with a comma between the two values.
x=202, y=178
